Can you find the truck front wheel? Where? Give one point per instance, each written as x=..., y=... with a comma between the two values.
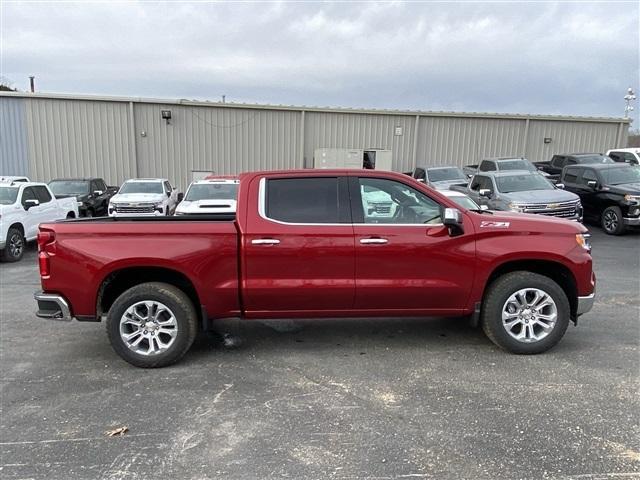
x=152, y=325
x=525, y=313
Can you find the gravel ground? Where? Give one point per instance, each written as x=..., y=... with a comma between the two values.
x=383, y=399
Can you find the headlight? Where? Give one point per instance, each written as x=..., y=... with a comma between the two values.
x=584, y=240
x=632, y=198
x=516, y=207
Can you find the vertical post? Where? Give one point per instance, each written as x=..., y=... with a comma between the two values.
x=301, y=140
x=414, y=154
x=134, y=139
x=525, y=141
x=32, y=83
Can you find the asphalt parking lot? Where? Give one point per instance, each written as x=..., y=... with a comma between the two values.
x=383, y=399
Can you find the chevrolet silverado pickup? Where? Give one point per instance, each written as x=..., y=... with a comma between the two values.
x=303, y=244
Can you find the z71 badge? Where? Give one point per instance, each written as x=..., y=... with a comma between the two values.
x=489, y=224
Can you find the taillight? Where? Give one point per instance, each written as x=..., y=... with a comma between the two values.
x=46, y=238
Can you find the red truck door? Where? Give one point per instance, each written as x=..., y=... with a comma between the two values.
x=405, y=258
x=298, y=252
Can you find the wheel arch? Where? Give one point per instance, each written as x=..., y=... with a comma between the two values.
x=17, y=225
x=118, y=281
x=556, y=271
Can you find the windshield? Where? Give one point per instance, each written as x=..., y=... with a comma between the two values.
x=8, y=195
x=69, y=187
x=141, y=187
x=465, y=202
x=517, y=164
x=443, y=174
x=591, y=159
x=522, y=183
x=212, y=191
x=618, y=176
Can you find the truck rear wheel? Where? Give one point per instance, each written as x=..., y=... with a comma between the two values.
x=525, y=313
x=152, y=325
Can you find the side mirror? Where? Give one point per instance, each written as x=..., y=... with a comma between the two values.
x=98, y=192
x=180, y=197
x=560, y=186
x=452, y=218
x=485, y=192
x=31, y=203
x=168, y=194
x=592, y=183
x=421, y=180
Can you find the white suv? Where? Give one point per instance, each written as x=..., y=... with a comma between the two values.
x=627, y=155
x=24, y=206
x=144, y=197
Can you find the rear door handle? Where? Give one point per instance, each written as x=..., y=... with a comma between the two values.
x=371, y=241
x=265, y=241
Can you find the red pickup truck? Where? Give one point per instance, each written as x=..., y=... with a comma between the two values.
x=312, y=243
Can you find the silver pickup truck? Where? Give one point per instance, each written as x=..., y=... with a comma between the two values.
x=522, y=191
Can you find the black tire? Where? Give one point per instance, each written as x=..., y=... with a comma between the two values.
x=14, y=246
x=179, y=305
x=611, y=221
x=496, y=299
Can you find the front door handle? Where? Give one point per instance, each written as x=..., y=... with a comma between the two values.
x=373, y=241
x=265, y=241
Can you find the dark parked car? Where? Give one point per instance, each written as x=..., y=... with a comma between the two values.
x=554, y=167
x=92, y=194
x=440, y=178
x=610, y=194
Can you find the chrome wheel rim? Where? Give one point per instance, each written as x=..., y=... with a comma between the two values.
x=529, y=315
x=610, y=221
x=148, y=328
x=16, y=245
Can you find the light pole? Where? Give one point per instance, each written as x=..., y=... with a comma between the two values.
x=629, y=97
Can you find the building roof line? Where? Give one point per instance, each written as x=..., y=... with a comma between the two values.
x=305, y=108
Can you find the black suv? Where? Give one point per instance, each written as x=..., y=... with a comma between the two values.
x=93, y=194
x=610, y=194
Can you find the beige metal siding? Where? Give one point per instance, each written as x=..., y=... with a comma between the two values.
x=464, y=141
x=569, y=137
x=222, y=140
x=13, y=137
x=72, y=138
x=352, y=130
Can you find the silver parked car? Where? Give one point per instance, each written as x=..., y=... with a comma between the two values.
x=523, y=191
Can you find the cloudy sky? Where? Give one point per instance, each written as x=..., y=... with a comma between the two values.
x=558, y=58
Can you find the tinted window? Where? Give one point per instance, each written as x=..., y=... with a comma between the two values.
x=481, y=181
x=571, y=176
x=487, y=166
x=523, y=183
x=518, y=164
x=28, y=194
x=588, y=175
x=390, y=202
x=167, y=187
x=419, y=173
x=69, y=187
x=558, y=161
x=630, y=158
x=42, y=194
x=443, y=174
x=618, y=176
x=303, y=200
x=616, y=156
x=591, y=159
x=141, y=187
x=101, y=185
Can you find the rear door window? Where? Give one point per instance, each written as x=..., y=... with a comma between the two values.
x=587, y=176
x=571, y=175
x=487, y=166
x=304, y=200
x=558, y=161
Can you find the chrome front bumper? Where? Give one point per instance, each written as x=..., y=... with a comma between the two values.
x=52, y=307
x=585, y=303
x=631, y=221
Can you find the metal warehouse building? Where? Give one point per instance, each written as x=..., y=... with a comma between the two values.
x=49, y=135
